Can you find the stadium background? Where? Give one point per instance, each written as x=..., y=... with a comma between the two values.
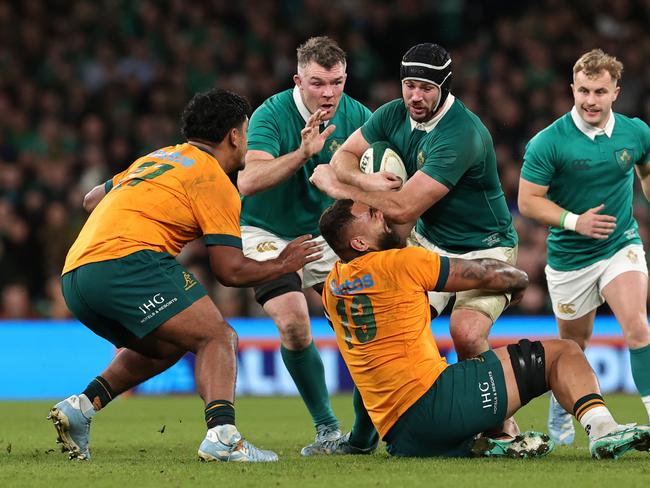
x=88, y=86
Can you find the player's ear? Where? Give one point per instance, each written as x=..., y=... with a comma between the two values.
x=235, y=137
x=358, y=243
x=297, y=80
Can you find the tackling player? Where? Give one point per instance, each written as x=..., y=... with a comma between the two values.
x=578, y=178
x=376, y=300
x=121, y=280
x=453, y=191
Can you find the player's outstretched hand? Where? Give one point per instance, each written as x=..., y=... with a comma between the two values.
x=312, y=140
x=594, y=224
x=299, y=252
x=382, y=181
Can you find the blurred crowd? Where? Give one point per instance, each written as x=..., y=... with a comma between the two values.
x=87, y=86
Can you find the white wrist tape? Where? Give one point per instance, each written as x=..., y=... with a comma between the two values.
x=570, y=221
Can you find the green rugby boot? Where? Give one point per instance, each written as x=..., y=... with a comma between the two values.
x=525, y=445
x=620, y=441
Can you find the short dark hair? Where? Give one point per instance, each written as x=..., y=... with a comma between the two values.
x=333, y=226
x=322, y=50
x=210, y=115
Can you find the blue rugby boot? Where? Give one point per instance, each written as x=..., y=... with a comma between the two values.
x=616, y=443
x=525, y=445
x=560, y=424
x=225, y=443
x=72, y=426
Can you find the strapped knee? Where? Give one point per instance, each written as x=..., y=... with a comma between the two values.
x=284, y=284
x=529, y=365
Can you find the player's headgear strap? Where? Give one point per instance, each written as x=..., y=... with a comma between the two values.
x=430, y=63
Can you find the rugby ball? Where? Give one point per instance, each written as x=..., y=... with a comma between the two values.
x=381, y=157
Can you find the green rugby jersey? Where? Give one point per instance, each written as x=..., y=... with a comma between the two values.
x=293, y=207
x=456, y=150
x=582, y=173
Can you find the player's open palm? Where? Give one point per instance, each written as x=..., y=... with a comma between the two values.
x=594, y=224
x=299, y=252
x=312, y=140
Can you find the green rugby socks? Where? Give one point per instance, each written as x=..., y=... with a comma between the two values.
x=306, y=369
x=640, y=363
x=99, y=392
x=363, y=433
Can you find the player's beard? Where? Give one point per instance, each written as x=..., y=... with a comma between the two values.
x=389, y=240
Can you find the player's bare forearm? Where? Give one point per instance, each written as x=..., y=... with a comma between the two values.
x=533, y=204
x=262, y=173
x=346, y=167
x=485, y=274
x=232, y=268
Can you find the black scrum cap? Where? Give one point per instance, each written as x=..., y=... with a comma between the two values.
x=430, y=63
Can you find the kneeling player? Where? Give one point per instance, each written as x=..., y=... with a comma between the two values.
x=376, y=300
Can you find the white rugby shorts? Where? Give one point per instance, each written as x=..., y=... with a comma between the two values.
x=260, y=244
x=576, y=293
x=489, y=304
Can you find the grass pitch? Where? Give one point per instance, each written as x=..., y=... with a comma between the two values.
x=141, y=442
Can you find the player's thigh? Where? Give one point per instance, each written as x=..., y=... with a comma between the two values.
x=624, y=285
x=103, y=326
x=578, y=330
x=140, y=291
x=491, y=305
x=316, y=271
x=260, y=244
x=524, y=367
x=575, y=293
x=469, y=397
x=196, y=325
x=288, y=309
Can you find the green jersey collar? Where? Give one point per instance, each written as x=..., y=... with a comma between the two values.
x=589, y=130
x=431, y=124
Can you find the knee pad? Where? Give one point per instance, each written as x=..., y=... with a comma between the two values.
x=284, y=284
x=529, y=365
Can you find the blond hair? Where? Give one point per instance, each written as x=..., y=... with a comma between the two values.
x=595, y=62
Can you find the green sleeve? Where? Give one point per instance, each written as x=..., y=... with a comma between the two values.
x=108, y=185
x=645, y=141
x=539, y=161
x=264, y=132
x=449, y=156
x=375, y=127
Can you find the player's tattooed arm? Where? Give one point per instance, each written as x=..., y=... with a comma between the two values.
x=485, y=274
